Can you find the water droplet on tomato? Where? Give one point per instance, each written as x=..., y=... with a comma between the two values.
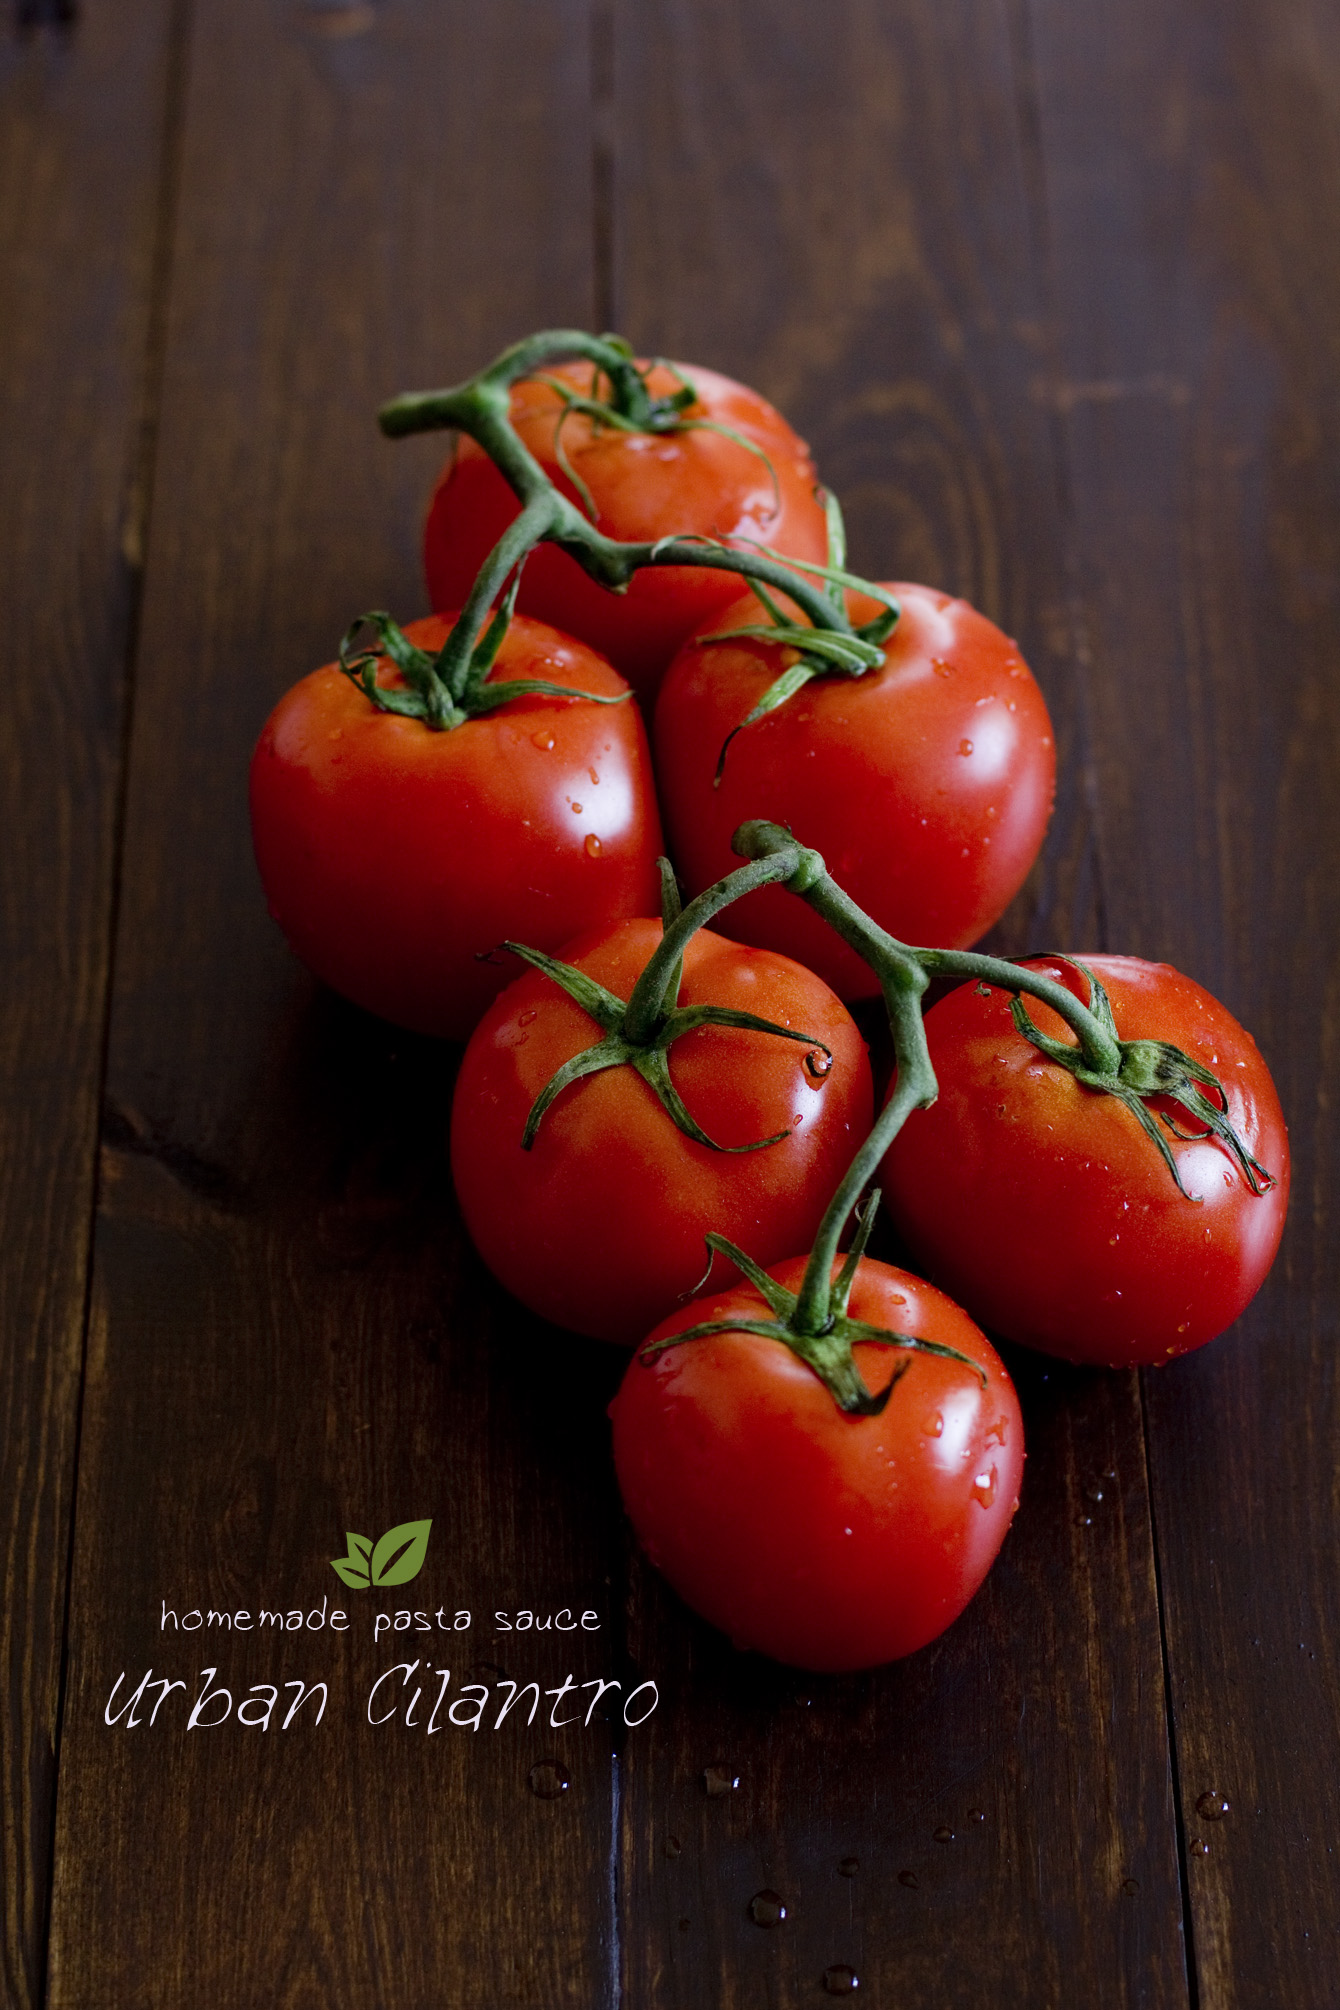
x=984, y=1488
x=940, y=667
x=944, y=1834
x=839, y=1980
x=849, y=1866
x=526, y=1018
x=576, y=809
x=548, y=1781
x=544, y=741
x=1212, y=1805
x=595, y=779
x=673, y=1846
x=999, y=1432
x=1010, y=705
x=936, y=1427
x=909, y=1879
x=593, y=846
x=767, y=1908
x=965, y=746
x=719, y=1779
x=1183, y=1327
x=818, y=1064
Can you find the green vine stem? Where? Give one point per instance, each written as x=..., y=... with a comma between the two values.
x=481, y=407
x=1131, y=1070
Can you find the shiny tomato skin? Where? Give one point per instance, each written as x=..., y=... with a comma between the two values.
x=926, y=784
x=599, y=1226
x=827, y=1541
x=644, y=486
x=394, y=856
x=1046, y=1210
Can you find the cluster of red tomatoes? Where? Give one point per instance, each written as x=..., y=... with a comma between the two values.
x=829, y=1487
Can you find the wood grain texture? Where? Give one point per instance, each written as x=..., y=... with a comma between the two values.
x=81, y=142
x=844, y=210
x=1192, y=162
x=288, y=1339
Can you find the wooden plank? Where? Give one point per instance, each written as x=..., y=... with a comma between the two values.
x=81, y=147
x=1192, y=167
x=288, y=1338
x=843, y=209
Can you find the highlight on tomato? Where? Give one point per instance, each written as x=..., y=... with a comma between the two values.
x=1118, y=1221
x=403, y=829
x=593, y=1146
x=828, y=1537
x=926, y=782
x=714, y=460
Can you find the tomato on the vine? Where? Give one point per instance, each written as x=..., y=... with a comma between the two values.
x=1044, y=1207
x=826, y=1540
x=599, y=1226
x=695, y=481
x=926, y=784
x=396, y=857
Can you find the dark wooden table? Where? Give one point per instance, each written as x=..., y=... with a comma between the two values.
x=1054, y=292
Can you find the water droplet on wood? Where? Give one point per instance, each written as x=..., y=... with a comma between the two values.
x=548, y=1780
x=767, y=1908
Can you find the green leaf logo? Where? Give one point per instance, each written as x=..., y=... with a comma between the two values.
x=395, y=1560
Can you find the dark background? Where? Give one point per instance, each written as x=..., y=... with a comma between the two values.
x=1053, y=290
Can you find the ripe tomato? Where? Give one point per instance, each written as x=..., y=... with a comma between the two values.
x=826, y=1540
x=1046, y=1210
x=926, y=784
x=600, y=1225
x=644, y=486
x=394, y=856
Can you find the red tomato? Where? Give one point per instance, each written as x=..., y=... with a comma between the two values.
x=600, y=1225
x=644, y=486
x=926, y=784
x=826, y=1540
x=1044, y=1207
x=394, y=856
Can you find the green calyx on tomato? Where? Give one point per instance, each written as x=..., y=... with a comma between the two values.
x=633, y=407
x=822, y=653
x=824, y=1343
x=1145, y=1069
x=441, y=692
x=640, y=1030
